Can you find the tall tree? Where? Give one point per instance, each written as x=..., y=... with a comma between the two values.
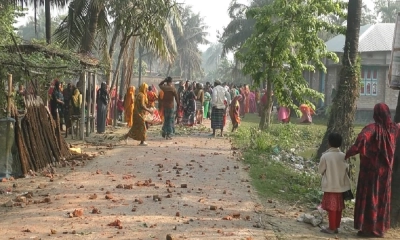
x=284, y=44
x=193, y=34
x=27, y=31
x=47, y=5
x=85, y=20
x=367, y=15
x=387, y=10
x=343, y=110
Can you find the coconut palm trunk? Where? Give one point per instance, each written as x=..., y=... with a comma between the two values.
x=343, y=110
x=48, y=20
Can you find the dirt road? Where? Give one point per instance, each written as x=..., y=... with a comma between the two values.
x=191, y=187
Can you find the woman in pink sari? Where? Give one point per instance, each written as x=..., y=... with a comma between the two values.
x=283, y=114
x=252, y=102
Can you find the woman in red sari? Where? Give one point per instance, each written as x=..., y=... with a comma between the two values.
x=152, y=97
x=234, y=112
x=376, y=145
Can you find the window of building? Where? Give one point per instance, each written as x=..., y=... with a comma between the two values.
x=369, y=81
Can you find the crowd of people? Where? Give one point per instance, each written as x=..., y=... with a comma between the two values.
x=188, y=105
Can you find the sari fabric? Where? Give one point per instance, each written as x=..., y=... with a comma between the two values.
x=129, y=105
x=152, y=98
x=376, y=145
x=234, y=111
x=189, y=108
x=283, y=114
x=306, y=112
x=138, y=129
x=206, y=104
x=160, y=106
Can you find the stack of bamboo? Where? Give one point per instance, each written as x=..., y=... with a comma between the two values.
x=38, y=137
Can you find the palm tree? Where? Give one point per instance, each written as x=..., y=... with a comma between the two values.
x=240, y=28
x=150, y=22
x=47, y=4
x=193, y=33
x=85, y=19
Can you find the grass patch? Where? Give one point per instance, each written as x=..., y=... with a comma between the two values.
x=282, y=159
x=274, y=179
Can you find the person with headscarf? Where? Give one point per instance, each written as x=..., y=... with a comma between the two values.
x=234, y=112
x=56, y=104
x=120, y=108
x=167, y=101
x=206, y=104
x=252, y=102
x=76, y=102
x=67, y=94
x=152, y=97
x=306, y=113
x=376, y=145
x=139, y=128
x=199, y=92
x=284, y=114
x=102, y=103
x=189, y=107
x=129, y=105
x=246, y=96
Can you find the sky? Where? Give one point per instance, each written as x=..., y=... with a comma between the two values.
x=214, y=12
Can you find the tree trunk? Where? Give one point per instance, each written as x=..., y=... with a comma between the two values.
x=169, y=69
x=123, y=44
x=265, y=120
x=110, y=56
x=35, y=18
x=141, y=50
x=124, y=71
x=48, y=20
x=131, y=63
x=343, y=110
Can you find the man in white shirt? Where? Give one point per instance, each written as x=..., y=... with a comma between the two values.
x=218, y=105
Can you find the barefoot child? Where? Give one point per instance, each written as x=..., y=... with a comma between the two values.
x=334, y=182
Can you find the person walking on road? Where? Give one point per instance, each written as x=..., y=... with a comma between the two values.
x=170, y=95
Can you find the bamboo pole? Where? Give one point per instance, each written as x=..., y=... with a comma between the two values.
x=9, y=95
x=93, y=106
x=89, y=103
x=82, y=128
x=8, y=132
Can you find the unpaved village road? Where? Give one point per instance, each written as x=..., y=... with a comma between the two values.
x=189, y=187
x=142, y=191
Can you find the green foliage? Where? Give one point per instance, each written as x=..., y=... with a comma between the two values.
x=136, y=68
x=280, y=137
x=285, y=44
x=7, y=19
x=278, y=179
x=387, y=9
x=189, y=59
x=27, y=31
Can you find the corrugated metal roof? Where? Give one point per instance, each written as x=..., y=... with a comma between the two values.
x=373, y=38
